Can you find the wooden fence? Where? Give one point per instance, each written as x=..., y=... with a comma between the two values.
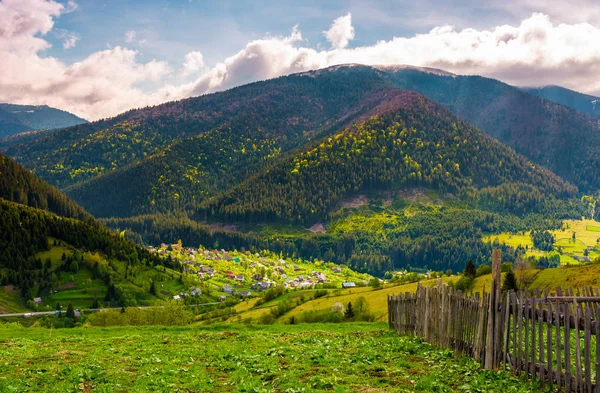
x=553, y=337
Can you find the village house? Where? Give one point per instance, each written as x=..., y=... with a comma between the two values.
x=196, y=291
x=296, y=268
x=240, y=277
x=222, y=298
x=37, y=300
x=348, y=285
x=257, y=277
x=336, y=269
x=228, y=289
x=176, y=297
x=244, y=293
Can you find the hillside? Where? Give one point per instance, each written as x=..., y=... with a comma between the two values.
x=19, y=185
x=15, y=119
x=289, y=110
x=176, y=155
x=45, y=239
x=581, y=102
x=534, y=127
x=407, y=140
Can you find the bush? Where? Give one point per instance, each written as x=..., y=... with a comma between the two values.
x=170, y=314
x=464, y=283
x=506, y=267
x=324, y=316
x=482, y=270
x=266, y=319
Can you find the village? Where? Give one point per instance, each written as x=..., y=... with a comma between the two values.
x=245, y=274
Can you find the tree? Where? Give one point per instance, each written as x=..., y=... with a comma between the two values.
x=70, y=311
x=375, y=283
x=74, y=267
x=510, y=282
x=349, y=314
x=152, y=288
x=95, y=304
x=470, y=269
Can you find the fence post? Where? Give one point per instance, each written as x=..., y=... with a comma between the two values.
x=490, y=346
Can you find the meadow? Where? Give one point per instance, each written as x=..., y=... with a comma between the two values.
x=351, y=357
x=587, y=235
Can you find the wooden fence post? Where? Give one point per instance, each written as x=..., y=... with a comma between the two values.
x=493, y=317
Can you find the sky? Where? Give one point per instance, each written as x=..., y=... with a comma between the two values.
x=99, y=58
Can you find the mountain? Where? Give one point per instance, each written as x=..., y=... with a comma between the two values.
x=563, y=140
x=15, y=119
x=407, y=140
x=175, y=156
x=581, y=102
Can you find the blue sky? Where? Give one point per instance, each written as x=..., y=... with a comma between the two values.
x=220, y=28
x=98, y=58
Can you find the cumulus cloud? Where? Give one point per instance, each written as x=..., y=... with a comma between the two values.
x=341, y=32
x=533, y=52
x=103, y=84
x=194, y=61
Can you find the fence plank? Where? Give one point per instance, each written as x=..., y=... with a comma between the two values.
x=578, y=373
x=586, y=350
x=567, y=347
x=549, y=342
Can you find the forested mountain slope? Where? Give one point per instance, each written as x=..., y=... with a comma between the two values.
x=176, y=155
x=15, y=119
x=407, y=140
x=573, y=99
x=563, y=140
x=289, y=109
x=19, y=185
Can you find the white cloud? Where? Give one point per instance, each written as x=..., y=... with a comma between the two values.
x=130, y=36
x=535, y=52
x=103, y=84
x=341, y=32
x=194, y=61
x=69, y=38
x=108, y=82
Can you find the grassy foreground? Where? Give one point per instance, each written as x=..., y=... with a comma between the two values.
x=236, y=358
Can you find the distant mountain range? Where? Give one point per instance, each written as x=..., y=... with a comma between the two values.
x=177, y=155
x=15, y=119
x=290, y=150
x=582, y=102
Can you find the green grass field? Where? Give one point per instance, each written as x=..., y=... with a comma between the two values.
x=236, y=358
x=586, y=236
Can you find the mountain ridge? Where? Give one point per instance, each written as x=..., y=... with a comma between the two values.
x=15, y=119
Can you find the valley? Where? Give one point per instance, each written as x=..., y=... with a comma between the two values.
x=288, y=210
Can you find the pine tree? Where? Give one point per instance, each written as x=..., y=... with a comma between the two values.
x=152, y=288
x=349, y=314
x=470, y=269
x=510, y=282
x=70, y=311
